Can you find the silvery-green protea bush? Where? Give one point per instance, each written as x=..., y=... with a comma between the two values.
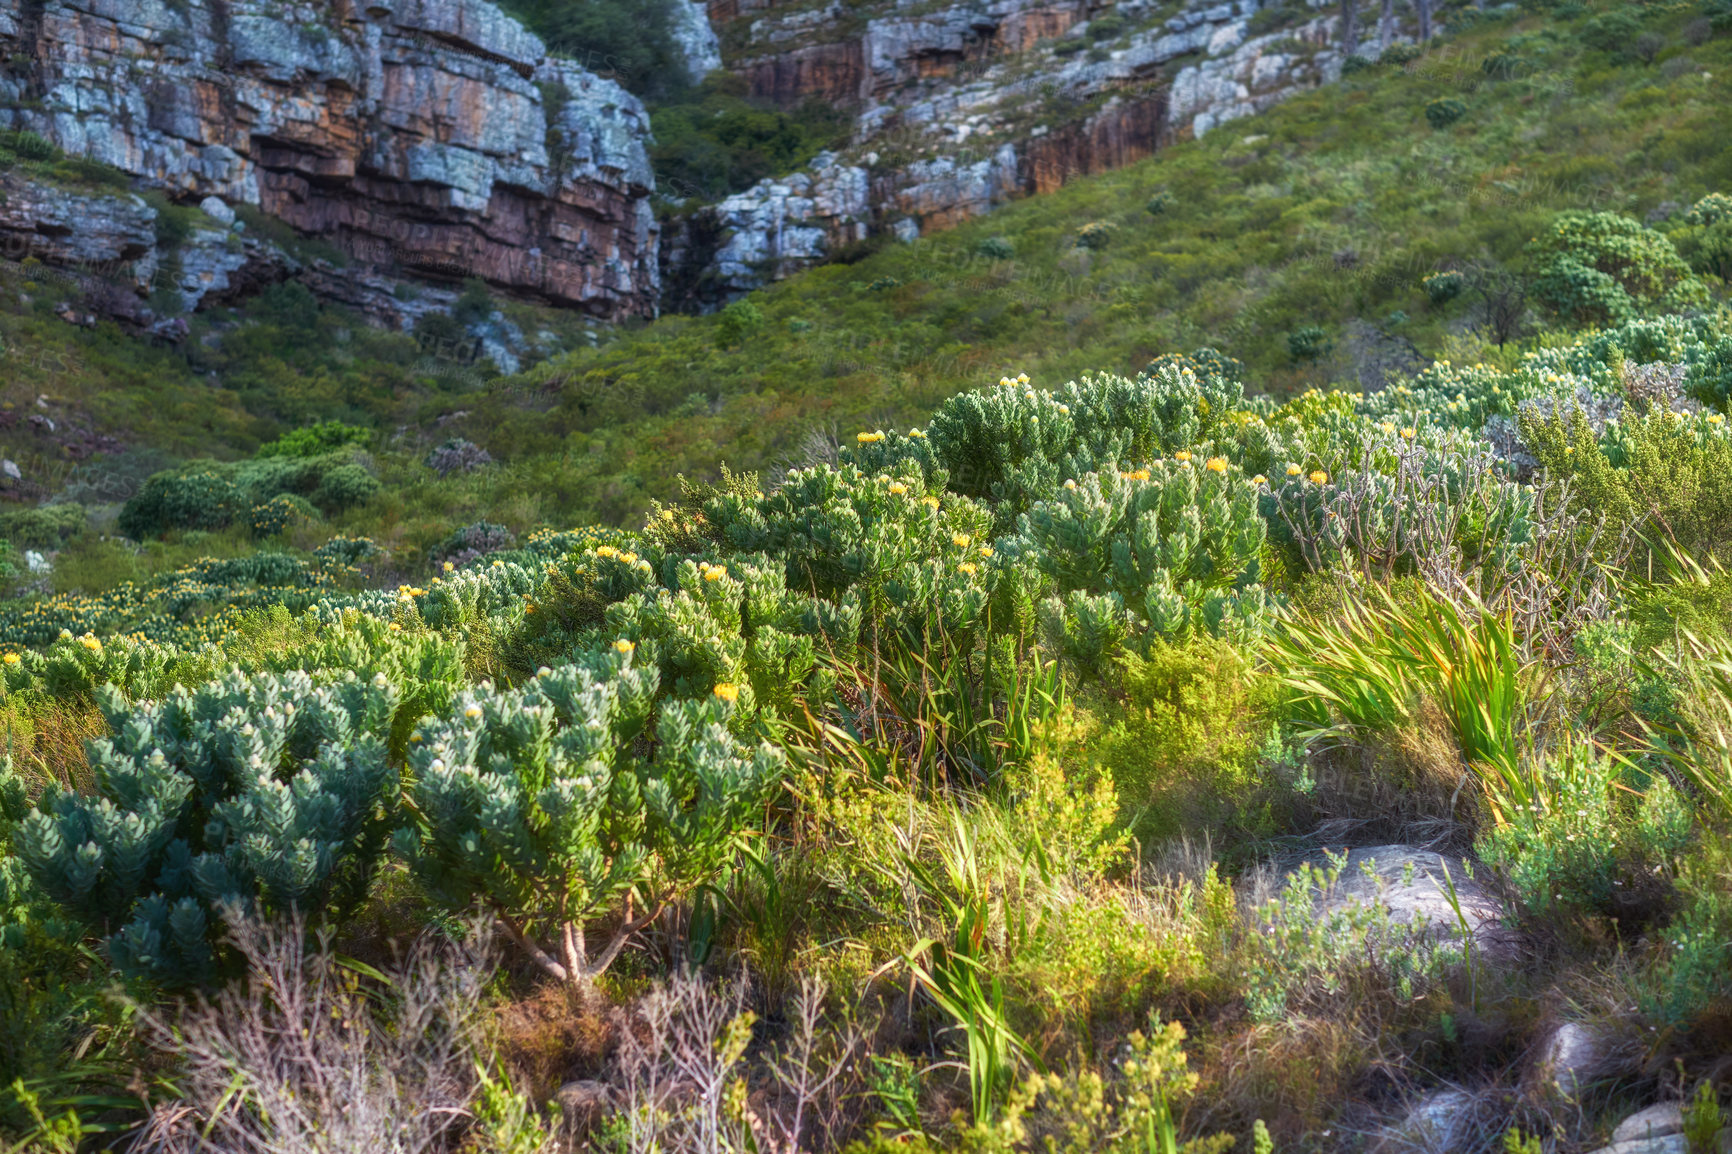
x=1159, y=552
x=560, y=806
x=251, y=791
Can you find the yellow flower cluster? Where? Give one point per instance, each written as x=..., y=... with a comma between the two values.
x=623, y=646
x=712, y=572
x=898, y=489
x=1012, y=382
x=1294, y=470
x=868, y=438
x=960, y=540
x=1319, y=477
x=1133, y=475
x=1182, y=455
x=1259, y=479
x=1216, y=464
x=727, y=691
x=929, y=502
x=968, y=567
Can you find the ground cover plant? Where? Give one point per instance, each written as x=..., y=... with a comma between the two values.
x=928, y=798
x=1037, y=762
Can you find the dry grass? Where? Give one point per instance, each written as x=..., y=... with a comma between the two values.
x=47, y=741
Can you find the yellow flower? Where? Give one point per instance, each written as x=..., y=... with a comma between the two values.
x=968, y=568
x=623, y=646
x=715, y=574
x=1319, y=477
x=986, y=550
x=12, y=659
x=1259, y=479
x=90, y=643
x=916, y=432
x=897, y=488
x=1135, y=475
x=628, y=558
x=1065, y=409
x=960, y=540
x=1407, y=433
x=727, y=691
x=472, y=712
x=1387, y=427
x=396, y=628
x=931, y=502
x=1216, y=464
x=1071, y=485
x=667, y=514
x=868, y=438
x=605, y=551
x=1715, y=418
x=449, y=567
x=1294, y=470
x=416, y=739
x=1022, y=378
x=1182, y=455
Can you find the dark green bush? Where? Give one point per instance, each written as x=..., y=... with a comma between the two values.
x=1614, y=33
x=1602, y=268
x=1159, y=203
x=1308, y=343
x=1403, y=53
x=44, y=527
x=1703, y=236
x=345, y=487
x=1355, y=63
x=1440, y=114
x=202, y=499
x=1443, y=287
x=631, y=40
x=995, y=248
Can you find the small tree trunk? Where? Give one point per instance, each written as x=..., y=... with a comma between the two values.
x=1349, y=28
x=1386, y=26
x=1422, y=9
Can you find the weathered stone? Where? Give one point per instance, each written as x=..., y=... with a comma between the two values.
x=1571, y=1057
x=1669, y=1144
x=1412, y=885
x=427, y=136
x=1654, y=1122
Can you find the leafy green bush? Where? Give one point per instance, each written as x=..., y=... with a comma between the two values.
x=631, y=39
x=316, y=440
x=1308, y=343
x=740, y=322
x=255, y=790
x=44, y=527
x=279, y=515
x=1443, y=287
x=1703, y=236
x=196, y=500
x=1599, y=267
x=1614, y=32
x=995, y=248
x=344, y=487
x=1096, y=234
x=543, y=804
x=1442, y=113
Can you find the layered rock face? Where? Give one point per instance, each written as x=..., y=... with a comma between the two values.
x=429, y=137
x=963, y=108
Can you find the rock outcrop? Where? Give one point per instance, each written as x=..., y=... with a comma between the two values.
x=433, y=138
x=979, y=104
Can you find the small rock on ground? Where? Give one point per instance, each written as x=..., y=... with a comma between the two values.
x=1413, y=885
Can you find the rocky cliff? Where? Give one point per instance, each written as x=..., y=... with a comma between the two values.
x=961, y=108
x=431, y=138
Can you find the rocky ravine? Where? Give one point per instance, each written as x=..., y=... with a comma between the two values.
x=963, y=108
x=435, y=137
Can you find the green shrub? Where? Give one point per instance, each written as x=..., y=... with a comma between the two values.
x=279, y=515
x=1401, y=53
x=1096, y=234
x=316, y=440
x=27, y=145
x=545, y=805
x=255, y=790
x=1160, y=203
x=1308, y=343
x=1355, y=64
x=1602, y=268
x=1443, y=287
x=1614, y=33
x=344, y=487
x=200, y=499
x=1703, y=236
x=995, y=248
x=43, y=527
x=739, y=322
x=1442, y=113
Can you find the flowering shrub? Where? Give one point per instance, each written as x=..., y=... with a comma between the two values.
x=253, y=790
x=544, y=804
x=279, y=514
